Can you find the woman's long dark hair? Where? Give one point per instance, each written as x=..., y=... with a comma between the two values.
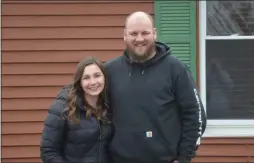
x=76, y=92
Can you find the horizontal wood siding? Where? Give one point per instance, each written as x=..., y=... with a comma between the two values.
x=42, y=42
x=228, y=150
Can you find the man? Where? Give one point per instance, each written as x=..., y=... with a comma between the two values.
x=157, y=114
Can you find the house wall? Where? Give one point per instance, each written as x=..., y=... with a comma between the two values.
x=228, y=150
x=220, y=149
x=42, y=42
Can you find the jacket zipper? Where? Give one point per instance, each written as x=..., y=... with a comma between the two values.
x=99, y=141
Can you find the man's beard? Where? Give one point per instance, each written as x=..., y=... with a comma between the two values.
x=140, y=58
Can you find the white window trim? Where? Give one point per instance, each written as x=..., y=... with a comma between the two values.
x=218, y=128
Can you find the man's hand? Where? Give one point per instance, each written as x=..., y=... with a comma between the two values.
x=175, y=161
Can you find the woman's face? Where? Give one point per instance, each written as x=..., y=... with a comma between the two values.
x=93, y=80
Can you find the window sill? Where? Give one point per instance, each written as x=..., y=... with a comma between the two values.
x=229, y=128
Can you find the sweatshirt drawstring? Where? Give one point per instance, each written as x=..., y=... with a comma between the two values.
x=143, y=70
x=130, y=69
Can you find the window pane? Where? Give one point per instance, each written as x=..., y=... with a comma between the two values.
x=226, y=18
x=230, y=79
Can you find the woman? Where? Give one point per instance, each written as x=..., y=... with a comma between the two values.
x=77, y=128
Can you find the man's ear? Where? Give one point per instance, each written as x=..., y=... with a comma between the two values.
x=155, y=33
x=124, y=35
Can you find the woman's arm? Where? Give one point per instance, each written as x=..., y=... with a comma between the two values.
x=53, y=134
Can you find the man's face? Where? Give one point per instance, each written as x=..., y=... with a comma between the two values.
x=140, y=37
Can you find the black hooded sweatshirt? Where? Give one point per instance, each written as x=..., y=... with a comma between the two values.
x=157, y=113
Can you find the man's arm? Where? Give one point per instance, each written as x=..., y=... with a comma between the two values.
x=192, y=116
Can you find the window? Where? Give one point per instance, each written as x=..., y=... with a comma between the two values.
x=227, y=66
x=225, y=18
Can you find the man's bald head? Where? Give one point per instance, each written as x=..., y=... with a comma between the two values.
x=139, y=16
x=140, y=36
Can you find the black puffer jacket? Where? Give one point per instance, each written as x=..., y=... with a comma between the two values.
x=63, y=142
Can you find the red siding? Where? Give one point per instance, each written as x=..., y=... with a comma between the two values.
x=41, y=46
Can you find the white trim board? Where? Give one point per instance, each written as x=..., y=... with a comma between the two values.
x=218, y=128
x=229, y=128
x=233, y=37
x=229, y=131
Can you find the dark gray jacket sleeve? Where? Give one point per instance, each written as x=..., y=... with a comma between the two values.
x=193, y=116
x=54, y=130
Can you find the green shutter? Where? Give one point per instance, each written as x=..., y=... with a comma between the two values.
x=176, y=26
